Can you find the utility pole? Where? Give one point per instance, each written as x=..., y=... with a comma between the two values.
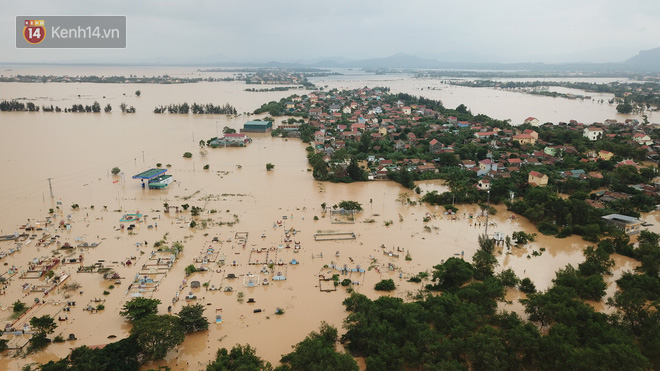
x=51, y=188
x=487, y=212
x=142, y=157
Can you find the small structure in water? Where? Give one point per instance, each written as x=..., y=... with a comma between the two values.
x=231, y=140
x=156, y=178
x=628, y=224
x=257, y=127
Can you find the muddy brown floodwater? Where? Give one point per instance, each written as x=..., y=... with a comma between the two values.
x=77, y=152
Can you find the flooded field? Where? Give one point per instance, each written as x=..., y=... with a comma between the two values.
x=239, y=198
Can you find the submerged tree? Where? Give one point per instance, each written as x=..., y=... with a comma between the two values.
x=156, y=335
x=317, y=352
x=238, y=358
x=138, y=308
x=192, y=318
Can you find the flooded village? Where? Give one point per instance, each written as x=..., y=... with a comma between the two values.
x=270, y=220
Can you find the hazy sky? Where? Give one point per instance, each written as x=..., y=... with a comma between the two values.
x=292, y=30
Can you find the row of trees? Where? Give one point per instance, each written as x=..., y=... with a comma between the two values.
x=95, y=107
x=31, y=107
x=209, y=108
x=14, y=105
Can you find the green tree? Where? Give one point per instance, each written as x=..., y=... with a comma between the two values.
x=508, y=278
x=385, y=285
x=350, y=205
x=18, y=306
x=228, y=130
x=365, y=142
x=451, y=275
x=240, y=358
x=156, y=335
x=115, y=170
x=44, y=324
x=138, y=308
x=137, y=93
x=192, y=318
x=648, y=253
x=527, y=286
x=121, y=355
x=624, y=107
x=355, y=172
x=190, y=269
x=317, y=352
x=483, y=263
x=269, y=166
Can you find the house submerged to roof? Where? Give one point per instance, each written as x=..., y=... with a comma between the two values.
x=627, y=224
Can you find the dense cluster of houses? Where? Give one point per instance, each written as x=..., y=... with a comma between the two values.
x=274, y=77
x=342, y=116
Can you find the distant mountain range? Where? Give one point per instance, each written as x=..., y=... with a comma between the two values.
x=645, y=61
x=648, y=60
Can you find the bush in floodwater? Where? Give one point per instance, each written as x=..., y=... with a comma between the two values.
x=385, y=285
x=190, y=270
x=187, y=155
x=18, y=306
x=115, y=170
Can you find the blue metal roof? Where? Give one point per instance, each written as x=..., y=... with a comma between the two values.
x=149, y=174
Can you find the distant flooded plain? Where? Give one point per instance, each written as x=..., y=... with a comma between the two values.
x=76, y=151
